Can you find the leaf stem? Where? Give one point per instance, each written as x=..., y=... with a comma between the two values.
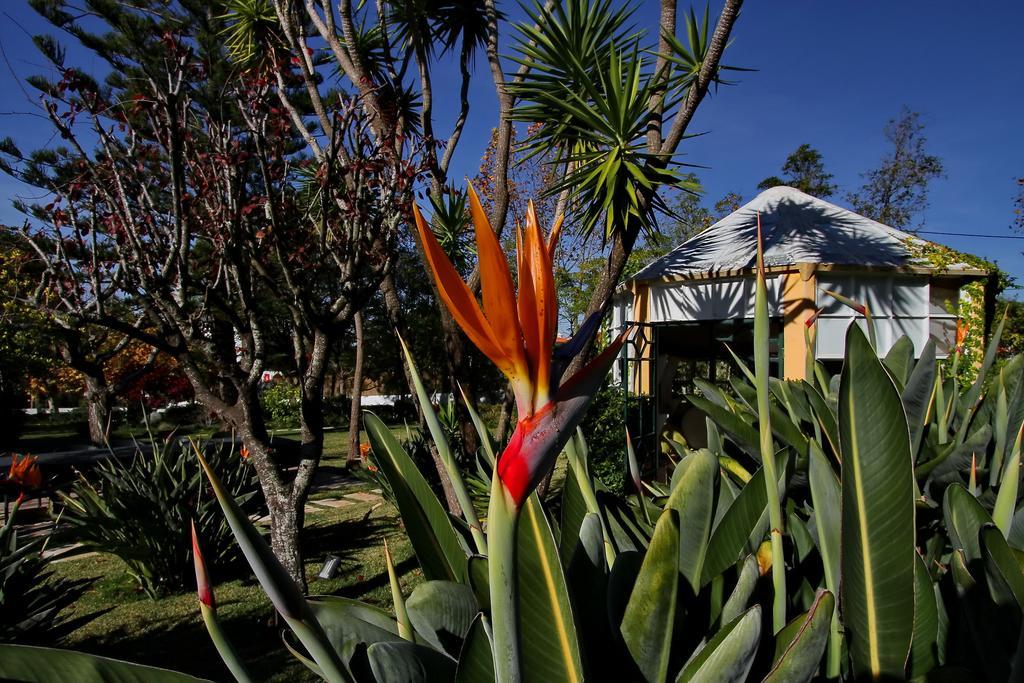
x=502, y=518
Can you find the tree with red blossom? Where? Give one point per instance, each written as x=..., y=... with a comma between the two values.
x=184, y=212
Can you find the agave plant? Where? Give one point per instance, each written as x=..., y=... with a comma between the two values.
x=140, y=511
x=32, y=600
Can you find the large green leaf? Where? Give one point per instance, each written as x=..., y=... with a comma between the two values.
x=733, y=533
x=442, y=612
x=574, y=509
x=739, y=598
x=647, y=624
x=547, y=630
x=1003, y=571
x=476, y=661
x=917, y=395
x=964, y=519
x=728, y=656
x=694, y=498
x=439, y=548
x=405, y=662
x=587, y=577
x=924, y=648
x=878, y=514
x=350, y=623
x=827, y=499
x=801, y=644
x=742, y=433
x=824, y=414
x=48, y=665
x=900, y=360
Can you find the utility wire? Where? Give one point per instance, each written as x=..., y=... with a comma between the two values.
x=971, y=234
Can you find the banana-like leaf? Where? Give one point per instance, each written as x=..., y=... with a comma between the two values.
x=30, y=664
x=650, y=614
x=986, y=622
x=824, y=414
x=476, y=661
x=964, y=519
x=728, y=656
x=479, y=581
x=900, y=360
x=694, y=498
x=1005, y=578
x=405, y=662
x=439, y=548
x=587, y=577
x=917, y=395
x=924, y=647
x=574, y=510
x=349, y=623
x=732, y=533
x=547, y=629
x=1006, y=499
x=739, y=598
x=826, y=497
x=442, y=613
x=878, y=514
x=621, y=582
x=742, y=433
x=800, y=646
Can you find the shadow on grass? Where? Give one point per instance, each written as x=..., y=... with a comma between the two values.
x=184, y=645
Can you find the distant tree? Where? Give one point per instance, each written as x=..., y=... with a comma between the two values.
x=897, y=191
x=805, y=171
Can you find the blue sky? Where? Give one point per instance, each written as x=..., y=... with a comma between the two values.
x=828, y=73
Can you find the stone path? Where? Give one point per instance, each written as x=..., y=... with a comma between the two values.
x=346, y=500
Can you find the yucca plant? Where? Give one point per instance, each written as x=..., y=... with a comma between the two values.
x=140, y=510
x=32, y=600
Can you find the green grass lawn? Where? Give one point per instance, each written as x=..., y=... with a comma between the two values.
x=170, y=633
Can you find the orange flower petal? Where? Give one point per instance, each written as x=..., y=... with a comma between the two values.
x=499, y=296
x=545, y=306
x=456, y=295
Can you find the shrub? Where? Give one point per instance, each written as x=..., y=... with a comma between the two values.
x=32, y=602
x=141, y=511
x=605, y=428
x=280, y=402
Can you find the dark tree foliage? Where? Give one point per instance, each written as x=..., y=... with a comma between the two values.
x=896, y=192
x=804, y=170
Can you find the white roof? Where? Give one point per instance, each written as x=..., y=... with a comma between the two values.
x=797, y=228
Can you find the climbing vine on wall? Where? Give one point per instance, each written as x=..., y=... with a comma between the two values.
x=970, y=312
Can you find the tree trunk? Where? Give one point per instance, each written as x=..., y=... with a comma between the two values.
x=393, y=307
x=285, y=525
x=99, y=399
x=357, y=391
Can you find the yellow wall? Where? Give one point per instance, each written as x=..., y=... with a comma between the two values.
x=797, y=307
